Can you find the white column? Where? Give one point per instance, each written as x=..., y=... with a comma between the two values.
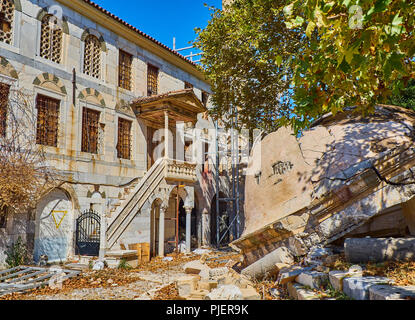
x=163, y=210
x=188, y=228
x=166, y=134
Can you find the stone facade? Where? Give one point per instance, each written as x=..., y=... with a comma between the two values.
x=93, y=180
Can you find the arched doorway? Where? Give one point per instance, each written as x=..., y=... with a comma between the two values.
x=224, y=220
x=182, y=224
x=54, y=227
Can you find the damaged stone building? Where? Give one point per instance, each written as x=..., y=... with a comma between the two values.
x=347, y=176
x=105, y=95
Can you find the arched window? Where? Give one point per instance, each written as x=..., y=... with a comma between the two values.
x=92, y=56
x=6, y=21
x=51, y=39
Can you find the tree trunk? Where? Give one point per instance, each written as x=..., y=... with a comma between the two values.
x=362, y=250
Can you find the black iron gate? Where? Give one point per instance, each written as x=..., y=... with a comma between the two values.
x=88, y=231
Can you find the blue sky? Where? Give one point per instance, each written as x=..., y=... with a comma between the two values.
x=164, y=19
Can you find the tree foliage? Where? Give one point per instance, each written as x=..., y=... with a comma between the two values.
x=25, y=174
x=406, y=97
x=325, y=56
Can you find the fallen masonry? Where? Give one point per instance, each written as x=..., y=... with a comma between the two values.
x=21, y=279
x=347, y=176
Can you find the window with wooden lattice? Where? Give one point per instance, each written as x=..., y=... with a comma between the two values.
x=90, y=130
x=4, y=102
x=51, y=39
x=152, y=80
x=188, y=85
x=124, y=70
x=124, y=139
x=47, y=120
x=6, y=21
x=92, y=56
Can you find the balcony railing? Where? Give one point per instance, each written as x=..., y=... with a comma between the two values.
x=180, y=171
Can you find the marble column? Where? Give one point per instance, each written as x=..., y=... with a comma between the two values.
x=163, y=211
x=188, y=228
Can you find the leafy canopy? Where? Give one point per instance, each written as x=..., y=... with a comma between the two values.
x=288, y=62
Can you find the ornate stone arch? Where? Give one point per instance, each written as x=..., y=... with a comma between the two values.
x=50, y=81
x=92, y=94
x=7, y=69
x=45, y=11
x=88, y=32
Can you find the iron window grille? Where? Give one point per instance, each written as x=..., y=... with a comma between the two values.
x=124, y=70
x=152, y=80
x=124, y=139
x=47, y=120
x=4, y=102
x=90, y=130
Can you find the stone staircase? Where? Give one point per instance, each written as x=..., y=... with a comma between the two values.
x=134, y=197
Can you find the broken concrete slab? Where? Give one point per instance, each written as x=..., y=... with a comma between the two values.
x=289, y=274
x=298, y=292
x=226, y=292
x=266, y=265
x=313, y=279
x=387, y=292
x=358, y=288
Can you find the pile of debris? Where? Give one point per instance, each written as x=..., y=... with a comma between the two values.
x=328, y=273
x=220, y=283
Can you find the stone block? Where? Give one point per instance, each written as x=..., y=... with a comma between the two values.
x=194, y=267
x=217, y=273
x=287, y=275
x=198, y=295
x=336, y=278
x=386, y=292
x=185, y=285
x=298, y=292
x=358, y=287
x=250, y=293
x=313, y=279
x=207, y=285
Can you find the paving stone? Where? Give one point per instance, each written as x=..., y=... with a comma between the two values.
x=387, y=292
x=313, y=279
x=298, y=292
x=358, y=287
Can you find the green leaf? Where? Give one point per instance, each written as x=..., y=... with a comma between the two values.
x=278, y=61
x=310, y=28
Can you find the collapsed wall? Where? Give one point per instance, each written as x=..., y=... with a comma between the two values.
x=347, y=173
